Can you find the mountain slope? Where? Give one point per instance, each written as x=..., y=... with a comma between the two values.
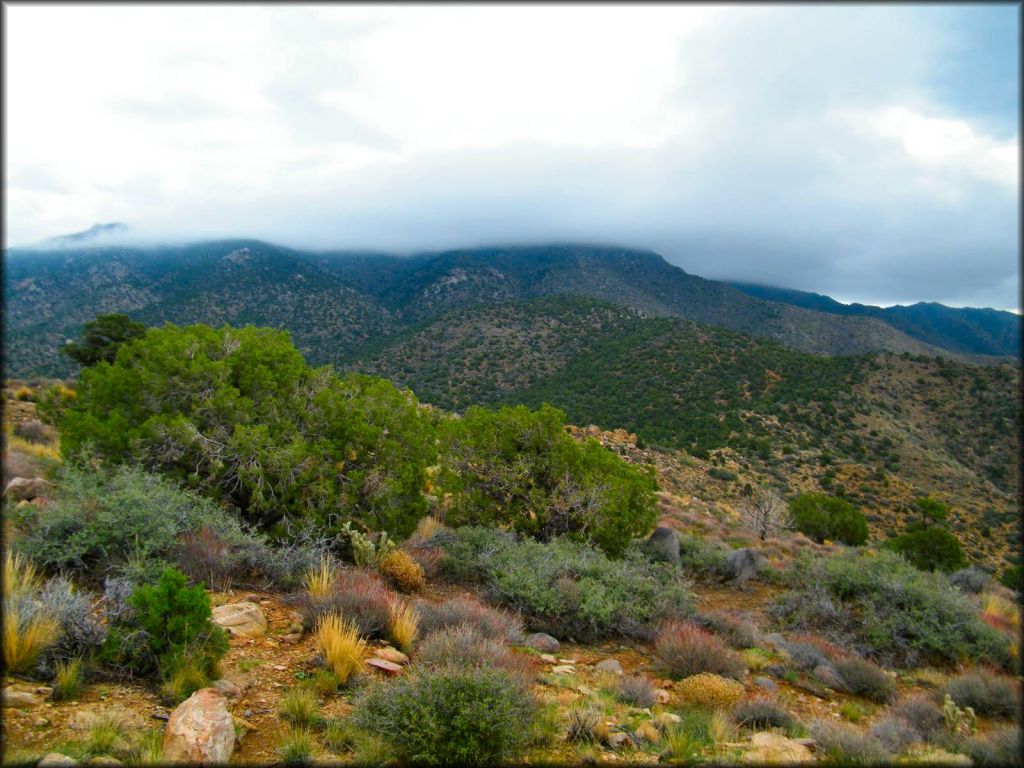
x=883, y=428
x=968, y=330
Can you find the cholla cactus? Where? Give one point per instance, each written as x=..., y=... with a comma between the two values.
x=364, y=551
x=962, y=722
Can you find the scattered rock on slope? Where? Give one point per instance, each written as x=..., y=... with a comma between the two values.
x=200, y=730
x=241, y=619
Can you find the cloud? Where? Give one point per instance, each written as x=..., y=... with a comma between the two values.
x=173, y=107
x=804, y=146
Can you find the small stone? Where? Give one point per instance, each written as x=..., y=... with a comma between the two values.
x=280, y=667
x=564, y=669
x=547, y=657
x=662, y=696
x=669, y=718
x=393, y=655
x=619, y=739
x=56, y=760
x=585, y=690
x=292, y=639
x=45, y=691
x=776, y=670
x=542, y=642
x=567, y=661
x=610, y=665
x=20, y=699
x=767, y=683
x=42, y=722
x=385, y=666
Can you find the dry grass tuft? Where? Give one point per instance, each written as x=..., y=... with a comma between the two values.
x=404, y=625
x=341, y=645
x=319, y=581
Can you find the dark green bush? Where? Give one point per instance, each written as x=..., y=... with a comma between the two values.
x=451, y=715
x=762, y=713
x=169, y=629
x=932, y=548
x=881, y=606
x=518, y=468
x=988, y=695
x=237, y=413
x=822, y=517
x=702, y=559
x=568, y=588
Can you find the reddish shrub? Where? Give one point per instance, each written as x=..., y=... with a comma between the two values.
x=684, y=649
x=202, y=556
x=359, y=595
x=491, y=623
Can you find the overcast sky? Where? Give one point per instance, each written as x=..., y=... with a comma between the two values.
x=866, y=152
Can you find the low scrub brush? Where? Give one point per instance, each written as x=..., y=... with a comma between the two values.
x=710, y=690
x=684, y=649
x=404, y=573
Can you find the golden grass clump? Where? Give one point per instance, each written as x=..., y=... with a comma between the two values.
x=25, y=394
x=318, y=581
x=69, y=678
x=402, y=571
x=710, y=690
x=25, y=636
x=341, y=645
x=427, y=527
x=20, y=576
x=405, y=624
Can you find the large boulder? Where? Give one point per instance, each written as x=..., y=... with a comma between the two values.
x=200, y=730
x=241, y=619
x=27, y=488
x=19, y=699
x=663, y=545
x=541, y=641
x=742, y=564
x=768, y=748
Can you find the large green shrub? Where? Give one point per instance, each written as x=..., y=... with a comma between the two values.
x=882, y=606
x=518, y=468
x=237, y=414
x=451, y=716
x=822, y=517
x=568, y=588
x=932, y=548
x=126, y=519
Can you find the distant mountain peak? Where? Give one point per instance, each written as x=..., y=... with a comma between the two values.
x=90, y=236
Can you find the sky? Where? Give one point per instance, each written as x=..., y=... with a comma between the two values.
x=868, y=152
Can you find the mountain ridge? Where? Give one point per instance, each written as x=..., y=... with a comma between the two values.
x=334, y=302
